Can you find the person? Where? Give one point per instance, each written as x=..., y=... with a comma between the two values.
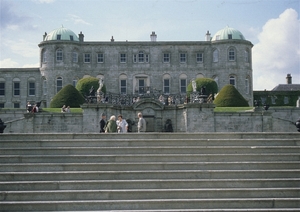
x=102, y=122
x=122, y=125
x=111, y=126
x=68, y=109
x=141, y=123
x=29, y=107
x=63, y=109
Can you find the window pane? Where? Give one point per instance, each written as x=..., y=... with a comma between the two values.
x=2, y=88
x=45, y=87
x=166, y=58
x=59, y=55
x=199, y=57
x=16, y=105
x=31, y=91
x=183, y=85
x=75, y=57
x=182, y=58
x=166, y=86
x=100, y=58
x=123, y=86
x=231, y=55
x=141, y=57
x=58, y=84
x=16, y=88
x=87, y=58
x=122, y=58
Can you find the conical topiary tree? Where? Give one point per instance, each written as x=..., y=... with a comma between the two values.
x=229, y=96
x=211, y=86
x=84, y=85
x=68, y=96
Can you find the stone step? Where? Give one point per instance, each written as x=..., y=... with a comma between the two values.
x=148, y=158
x=149, y=184
x=247, y=165
x=133, y=142
x=153, y=204
x=148, y=174
x=141, y=194
x=149, y=150
x=148, y=135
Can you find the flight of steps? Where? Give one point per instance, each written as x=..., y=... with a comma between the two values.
x=150, y=172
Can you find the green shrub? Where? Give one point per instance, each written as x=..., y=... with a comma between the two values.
x=211, y=86
x=84, y=85
x=229, y=96
x=68, y=96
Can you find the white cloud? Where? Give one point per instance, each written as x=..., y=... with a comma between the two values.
x=8, y=63
x=22, y=47
x=277, y=52
x=77, y=20
x=44, y=1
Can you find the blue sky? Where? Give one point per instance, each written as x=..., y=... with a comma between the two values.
x=273, y=26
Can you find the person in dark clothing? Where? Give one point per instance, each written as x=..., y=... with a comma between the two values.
x=102, y=123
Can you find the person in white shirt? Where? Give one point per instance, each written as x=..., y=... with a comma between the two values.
x=122, y=125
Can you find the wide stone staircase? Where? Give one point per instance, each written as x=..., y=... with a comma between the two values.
x=150, y=172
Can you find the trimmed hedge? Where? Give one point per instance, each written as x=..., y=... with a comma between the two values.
x=68, y=96
x=211, y=86
x=229, y=96
x=84, y=85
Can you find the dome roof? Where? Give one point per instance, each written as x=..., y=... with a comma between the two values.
x=228, y=33
x=61, y=34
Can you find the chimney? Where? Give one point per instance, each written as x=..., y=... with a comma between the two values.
x=207, y=36
x=153, y=36
x=288, y=79
x=112, y=39
x=81, y=36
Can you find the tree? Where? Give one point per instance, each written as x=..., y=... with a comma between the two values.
x=68, y=96
x=84, y=85
x=210, y=85
x=229, y=96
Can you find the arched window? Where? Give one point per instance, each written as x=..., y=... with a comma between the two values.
x=231, y=54
x=247, y=56
x=183, y=83
x=2, y=87
x=16, y=87
x=232, y=80
x=31, y=87
x=123, y=83
x=59, y=55
x=75, y=57
x=215, y=55
x=166, y=83
x=58, y=84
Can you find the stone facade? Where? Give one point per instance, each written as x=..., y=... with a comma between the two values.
x=127, y=67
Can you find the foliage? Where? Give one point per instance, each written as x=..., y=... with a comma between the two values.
x=68, y=96
x=276, y=98
x=211, y=86
x=84, y=85
x=229, y=96
x=58, y=110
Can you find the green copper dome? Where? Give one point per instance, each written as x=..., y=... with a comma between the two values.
x=228, y=33
x=61, y=34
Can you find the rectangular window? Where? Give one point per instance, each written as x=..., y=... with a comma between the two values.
x=247, y=86
x=166, y=58
x=59, y=55
x=74, y=83
x=16, y=105
x=75, y=57
x=182, y=58
x=147, y=58
x=182, y=85
x=141, y=57
x=31, y=89
x=58, y=37
x=100, y=58
x=2, y=88
x=45, y=87
x=166, y=85
x=122, y=58
x=123, y=86
x=134, y=58
x=71, y=37
x=87, y=58
x=199, y=57
x=16, y=88
x=1, y=105
x=141, y=86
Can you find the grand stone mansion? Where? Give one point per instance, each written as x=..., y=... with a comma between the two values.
x=129, y=67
